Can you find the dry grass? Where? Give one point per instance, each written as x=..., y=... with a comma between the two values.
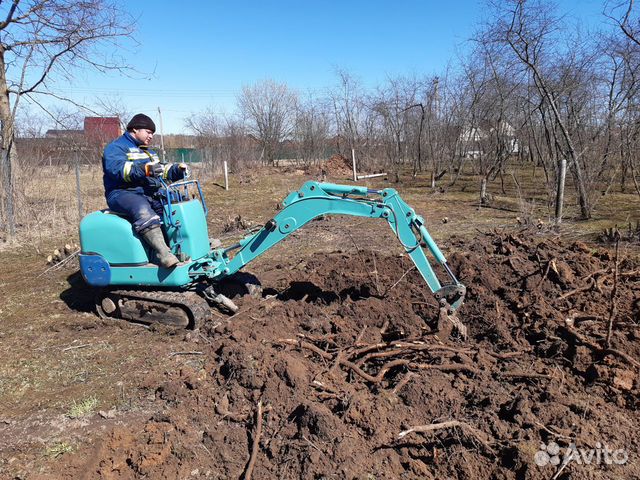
x=48, y=210
x=83, y=408
x=58, y=449
x=47, y=203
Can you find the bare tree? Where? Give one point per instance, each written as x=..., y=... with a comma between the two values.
x=114, y=106
x=29, y=123
x=42, y=39
x=625, y=17
x=349, y=109
x=270, y=107
x=528, y=28
x=450, y=115
x=222, y=138
x=433, y=123
x=206, y=122
x=392, y=102
x=620, y=75
x=311, y=129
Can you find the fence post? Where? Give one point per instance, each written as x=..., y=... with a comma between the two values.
x=562, y=174
x=353, y=160
x=78, y=191
x=226, y=176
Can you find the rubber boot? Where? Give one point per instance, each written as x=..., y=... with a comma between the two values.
x=155, y=240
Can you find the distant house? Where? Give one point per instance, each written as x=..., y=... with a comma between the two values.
x=473, y=140
x=101, y=130
x=97, y=131
x=71, y=134
x=470, y=142
x=70, y=146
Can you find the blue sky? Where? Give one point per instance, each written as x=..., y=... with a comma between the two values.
x=197, y=54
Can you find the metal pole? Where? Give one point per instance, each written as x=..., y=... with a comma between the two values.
x=353, y=160
x=226, y=176
x=562, y=174
x=78, y=190
x=162, y=152
x=373, y=175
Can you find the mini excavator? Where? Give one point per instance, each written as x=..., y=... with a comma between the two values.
x=130, y=286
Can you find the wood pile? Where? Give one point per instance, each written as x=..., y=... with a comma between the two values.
x=59, y=255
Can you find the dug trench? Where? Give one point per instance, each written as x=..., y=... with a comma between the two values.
x=334, y=371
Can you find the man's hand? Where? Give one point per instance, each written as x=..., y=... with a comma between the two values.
x=185, y=170
x=153, y=169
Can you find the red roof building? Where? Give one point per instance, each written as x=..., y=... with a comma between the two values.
x=101, y=130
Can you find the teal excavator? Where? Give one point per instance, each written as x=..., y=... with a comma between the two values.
x=131, y=286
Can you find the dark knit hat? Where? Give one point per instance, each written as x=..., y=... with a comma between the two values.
x=140, y=120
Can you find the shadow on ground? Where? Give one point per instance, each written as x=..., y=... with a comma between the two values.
x=78, y=296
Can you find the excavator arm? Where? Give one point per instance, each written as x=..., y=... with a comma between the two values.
x=316, y=199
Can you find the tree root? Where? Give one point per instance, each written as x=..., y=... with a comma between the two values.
x=593, y=282
x=446, y=367
x=222, y=408
x=485, y=439
x=586, y=288
x=355, y=368
x=598, y=349
x=406, y=379
x=256, y=443
x=524, y=375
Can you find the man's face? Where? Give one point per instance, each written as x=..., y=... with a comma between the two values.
x=143, y=135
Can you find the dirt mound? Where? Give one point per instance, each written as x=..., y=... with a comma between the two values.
x=338, y=368
x=337, y=166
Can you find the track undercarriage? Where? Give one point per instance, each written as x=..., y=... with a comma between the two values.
x=177, y=308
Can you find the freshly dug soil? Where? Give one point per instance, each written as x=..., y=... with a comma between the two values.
x=318, y=378
x=337, y=165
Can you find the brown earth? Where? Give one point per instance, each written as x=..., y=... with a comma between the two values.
x=345, y=351
x=337, y=166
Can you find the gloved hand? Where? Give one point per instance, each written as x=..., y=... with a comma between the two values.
x=186, y=173
x=153, y=169
x=151, y=185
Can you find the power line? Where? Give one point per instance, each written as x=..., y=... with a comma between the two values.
x=147, y=93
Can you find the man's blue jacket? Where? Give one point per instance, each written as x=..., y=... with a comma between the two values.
x=123, y=164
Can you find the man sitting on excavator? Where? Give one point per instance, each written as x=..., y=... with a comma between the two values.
x=131, y=178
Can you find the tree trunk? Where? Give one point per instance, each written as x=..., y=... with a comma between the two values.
x=483, y=192
x=458, y=172
x=576, y=168
x=541, y=85
x=7, y=154
x=583, y=197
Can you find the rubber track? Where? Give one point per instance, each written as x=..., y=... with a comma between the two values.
x=196, y=306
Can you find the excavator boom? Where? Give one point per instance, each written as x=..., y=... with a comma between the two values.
x=315, y=199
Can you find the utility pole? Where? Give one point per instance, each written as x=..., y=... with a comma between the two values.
x=436, y=98
x=162, y=152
